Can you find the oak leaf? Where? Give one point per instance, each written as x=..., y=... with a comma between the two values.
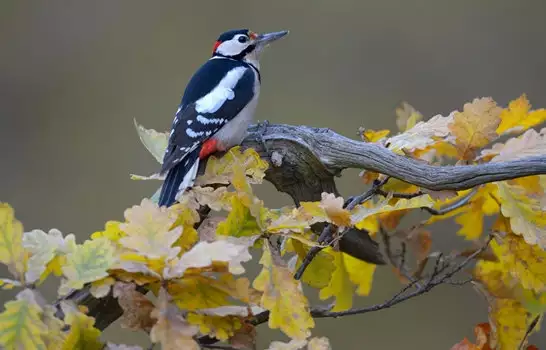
x=348, y=272
x=531, y=143
x=526, y=213
x=232, y=251
x=240, y=222
x=149, y=230
x=21, y=325
x=155, y=142
x=421, y=135
x=87, y=263
x=221, y=327
x=518, y=116
x=407, y=116
x=136, y=307
x=369, y=135
x=12, y=253
x=361, y=212
x=283, y=297
x=171, y=330
x=82, y=334
x=475, y=126
x=233, y=164
x=509, y=320
x=43, y=247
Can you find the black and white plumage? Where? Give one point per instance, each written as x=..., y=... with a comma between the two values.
x=217, y=106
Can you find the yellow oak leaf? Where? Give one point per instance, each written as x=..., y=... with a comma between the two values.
x=373, y=136
x=231, y=250
x=12, y=253
x=82, y=334
x=283, y=297
x=200, y=292
x=509, y=321
x=21, y=325
x=155, y=142
x=149, y=230
x=361, y=212
x=349, y=272
x=239, y=222
x=407, y=116
x=321, y=343
x=137, y=309
x=223, y=170
x=319, y=271
x=171, y=330
x=329, y=209
x=43, y=248
x=187, y=217
x=216, y=199
x=293, y=344
x=523, y=262
x=111, y=231
x=518, y=116
x=526, y=213
x=475, y=126
x=87, y=263
x=8, y=284
x=420, y=136
x=221, y=327
x=472, y=215
x=55, y=326
x=136, y=263
x=531, y=143
x=101, y=288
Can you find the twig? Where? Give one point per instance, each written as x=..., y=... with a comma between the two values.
x=437, y=277
x=462, y=202
x=401, y=195
x=223, y=347
x=530, y=328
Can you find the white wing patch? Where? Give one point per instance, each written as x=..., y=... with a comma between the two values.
x=193, y=134
x=207, y=121
x=213, y=101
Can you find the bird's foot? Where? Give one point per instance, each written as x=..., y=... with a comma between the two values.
x=262, y=128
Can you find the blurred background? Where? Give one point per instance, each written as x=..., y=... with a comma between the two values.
x=74, y=74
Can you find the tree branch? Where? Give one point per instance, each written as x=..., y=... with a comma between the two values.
x=310, y=157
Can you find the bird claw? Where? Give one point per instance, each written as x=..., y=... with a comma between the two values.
x=262, y=128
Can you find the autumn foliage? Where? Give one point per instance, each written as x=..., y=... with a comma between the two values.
x=195, y=269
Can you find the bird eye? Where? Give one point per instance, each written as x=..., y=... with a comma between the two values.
x=243, y=39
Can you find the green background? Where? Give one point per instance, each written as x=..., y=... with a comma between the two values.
x=74, y=74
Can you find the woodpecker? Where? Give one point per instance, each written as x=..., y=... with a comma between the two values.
x=216, y=108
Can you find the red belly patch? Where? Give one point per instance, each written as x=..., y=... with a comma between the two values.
x=209, y=147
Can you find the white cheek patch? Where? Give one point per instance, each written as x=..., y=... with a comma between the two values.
x=231, y=47
x=213, y=101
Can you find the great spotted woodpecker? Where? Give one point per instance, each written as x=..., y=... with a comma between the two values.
x=217, y=106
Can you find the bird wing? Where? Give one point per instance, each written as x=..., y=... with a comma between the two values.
x=197, y=121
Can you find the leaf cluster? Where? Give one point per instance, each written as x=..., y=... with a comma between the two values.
x=195, y=270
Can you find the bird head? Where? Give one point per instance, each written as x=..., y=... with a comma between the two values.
x=243, y=44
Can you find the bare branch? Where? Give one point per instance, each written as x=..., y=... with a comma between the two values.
x=442, y=274
x=311, y=156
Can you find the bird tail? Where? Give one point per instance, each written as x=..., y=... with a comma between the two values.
x=179, y=178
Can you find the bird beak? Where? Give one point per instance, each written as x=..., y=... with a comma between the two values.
x=267, y=38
